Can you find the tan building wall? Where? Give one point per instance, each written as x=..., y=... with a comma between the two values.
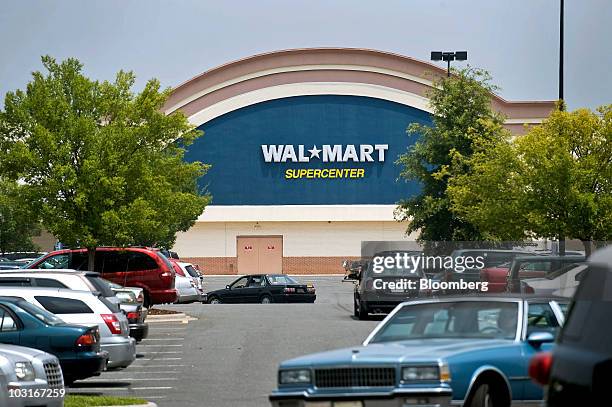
x=308, y=247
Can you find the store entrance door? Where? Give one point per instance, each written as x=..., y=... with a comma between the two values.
x=260, y=254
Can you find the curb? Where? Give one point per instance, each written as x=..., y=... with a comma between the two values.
x=180, y=317
x=149, y=404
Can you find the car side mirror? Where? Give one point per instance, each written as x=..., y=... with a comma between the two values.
x=536, y=339
x=228, y=287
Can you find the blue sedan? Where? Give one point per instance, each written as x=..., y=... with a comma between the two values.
x=469, y=351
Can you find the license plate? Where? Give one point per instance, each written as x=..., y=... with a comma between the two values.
x=348, y=404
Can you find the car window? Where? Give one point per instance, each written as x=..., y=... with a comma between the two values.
x=39, y=313
x=79, y=261
x=240, y=283
x=60, y=305
x=15, y=282
x=281, y=280
x=192, y=272
x=141, y=261
x=7, y=323
x=59, y=261
x=494, y=259
x=463, y=319
x=257, y=281
x=540, y=317
x=100, y=286
x=542, y=266
x=111, y=261
x=564, y=307
x=48, y=282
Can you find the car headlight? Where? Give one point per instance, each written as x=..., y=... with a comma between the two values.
x=25, y=371
x=294, y=376
x=426, y=373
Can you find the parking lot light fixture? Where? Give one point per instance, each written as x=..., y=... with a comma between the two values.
x=448, y=56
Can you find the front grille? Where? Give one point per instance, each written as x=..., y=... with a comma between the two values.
x=54, y=375
x=355, y=377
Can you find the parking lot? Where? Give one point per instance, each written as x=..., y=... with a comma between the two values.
x=229, y=355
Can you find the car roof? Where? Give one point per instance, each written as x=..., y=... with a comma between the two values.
x=501, y=297
x=542, y=258
x=65, y=292
x=494, y=250
x=47, y=272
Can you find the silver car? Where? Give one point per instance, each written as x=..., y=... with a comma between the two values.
x=29, y=377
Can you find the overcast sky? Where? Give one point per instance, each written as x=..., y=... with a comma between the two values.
x=517, y=41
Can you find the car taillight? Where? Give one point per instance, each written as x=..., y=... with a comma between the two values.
x=540, y=366
x=133, y=315
x=86, y=340
x=112, y=323
x=289, y=290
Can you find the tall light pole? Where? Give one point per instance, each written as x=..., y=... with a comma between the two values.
x=561, y=49
x=448, y=57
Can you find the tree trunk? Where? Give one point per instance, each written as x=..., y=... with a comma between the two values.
x=561, y=245
x=91, y=258
x=588, y=247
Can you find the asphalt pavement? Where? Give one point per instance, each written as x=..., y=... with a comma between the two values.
x=229, y=355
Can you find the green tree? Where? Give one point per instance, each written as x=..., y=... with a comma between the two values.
x=553, y=182
x=100, y=164
x=17, y=223
x=462, y=117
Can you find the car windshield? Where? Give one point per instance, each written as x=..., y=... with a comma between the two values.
x=460, y=319
x=39, y=313
x=281, y=280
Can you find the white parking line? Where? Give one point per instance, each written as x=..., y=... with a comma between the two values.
x=163, y=339
x=160, y=359
x=151, y=388
x=133, y=379
x=164, y=345
x=151, y=366
x=110, y=390
x=154, y=352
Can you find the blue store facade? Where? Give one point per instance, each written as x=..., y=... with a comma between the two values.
x=303, y=147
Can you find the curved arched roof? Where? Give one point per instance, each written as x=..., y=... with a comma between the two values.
x=316, y=71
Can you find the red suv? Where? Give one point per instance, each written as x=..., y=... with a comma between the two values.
x=140, y=267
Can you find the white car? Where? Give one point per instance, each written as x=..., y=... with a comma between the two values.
x=562, y=282
x=87, y=309
x=26, y=372
x=186, y=288
x=83, y=281
x=189, y=270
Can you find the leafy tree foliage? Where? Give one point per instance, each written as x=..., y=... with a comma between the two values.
x=553, y=182
x=17, y=223
x=100, y=164
x=462, y=118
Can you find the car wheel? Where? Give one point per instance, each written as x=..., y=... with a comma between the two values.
x=484, y=397
x=361, y=311
x=266, y=299
x=214, y=300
